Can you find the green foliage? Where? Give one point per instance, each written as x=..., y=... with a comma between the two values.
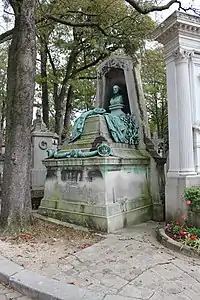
x=154, y=84
x=74, y=49
x=176, y=229
x=84, y=94
x=193, y=231
x=194, y=243
x=193, y=195
x=185, y=233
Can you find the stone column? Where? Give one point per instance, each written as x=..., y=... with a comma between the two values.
x=184, y=112
x=180, y=36
x=194, y=90
x=173, y=127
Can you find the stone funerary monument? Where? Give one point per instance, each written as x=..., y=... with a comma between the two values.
x=104, y=178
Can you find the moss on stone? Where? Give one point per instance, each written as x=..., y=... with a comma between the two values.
x=146, y=197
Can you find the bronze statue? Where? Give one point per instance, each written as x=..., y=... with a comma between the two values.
x=116, y=97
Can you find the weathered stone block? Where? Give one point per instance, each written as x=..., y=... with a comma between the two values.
x=106, y=195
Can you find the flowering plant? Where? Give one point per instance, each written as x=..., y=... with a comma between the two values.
x=192, y=196
x=184, y=232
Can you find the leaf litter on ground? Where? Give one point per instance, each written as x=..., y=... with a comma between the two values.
x=43, y=232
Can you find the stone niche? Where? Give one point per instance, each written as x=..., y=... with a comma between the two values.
x=118, y=70
x=116, y=77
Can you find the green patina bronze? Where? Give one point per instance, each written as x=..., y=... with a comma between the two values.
x=102, y=150
x=79, y=122
x=116, y=97
x=122, y=127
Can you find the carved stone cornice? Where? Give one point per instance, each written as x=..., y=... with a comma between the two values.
x=177, y=22
x=116, y=62
x=182, y=54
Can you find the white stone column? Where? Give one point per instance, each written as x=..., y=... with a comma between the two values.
x=173, y=127
x=184, y=113
x=180, y=35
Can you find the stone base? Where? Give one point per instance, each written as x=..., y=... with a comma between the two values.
x=98, y=222
x=175, y=204
x=104, y=194
x=158, y=212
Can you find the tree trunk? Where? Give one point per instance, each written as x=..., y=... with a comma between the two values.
x=45, y=100
x=16, y=196
x=2, y=125
x=58, y=114
x=60, y=99
x=68, y=109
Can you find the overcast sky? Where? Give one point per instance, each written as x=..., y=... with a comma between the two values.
x=158, y=16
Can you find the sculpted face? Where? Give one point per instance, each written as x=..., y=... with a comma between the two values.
x=115, y=89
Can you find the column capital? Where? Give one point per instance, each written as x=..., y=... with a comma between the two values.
x=182, y=55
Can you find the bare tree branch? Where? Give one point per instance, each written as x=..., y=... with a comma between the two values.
x=78, y=12
x=144, y=9
x=87, y=66
x=68, y=23
x=87, y=77
x=6, y=36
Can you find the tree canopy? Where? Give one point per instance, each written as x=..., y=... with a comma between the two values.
x=155, y=91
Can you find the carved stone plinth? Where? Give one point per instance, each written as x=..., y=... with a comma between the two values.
x=105, y=194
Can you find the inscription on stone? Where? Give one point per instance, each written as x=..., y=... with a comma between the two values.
x=94, y=174
x=72, y=176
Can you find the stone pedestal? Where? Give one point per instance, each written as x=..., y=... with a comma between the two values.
x=42, y=139
x=103, y=193
x=180, y=35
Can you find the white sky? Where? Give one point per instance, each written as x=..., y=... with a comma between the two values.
x=158, y=16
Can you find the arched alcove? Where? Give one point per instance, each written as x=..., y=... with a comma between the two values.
x=115, y=76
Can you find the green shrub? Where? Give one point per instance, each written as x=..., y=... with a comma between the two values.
x=192, y=194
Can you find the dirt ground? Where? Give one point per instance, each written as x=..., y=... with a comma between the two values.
x=45, y=244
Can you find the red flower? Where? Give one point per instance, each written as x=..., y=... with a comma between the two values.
x=193, y=237
x=188, y=202
x=182, y=232
x=177, y=223
x=184, y=218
